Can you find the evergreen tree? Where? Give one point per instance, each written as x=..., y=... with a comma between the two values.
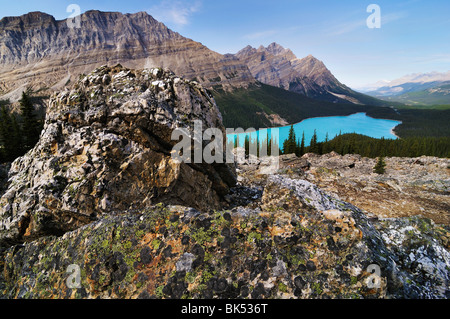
x=10, y=136
x=380, y=167
x=290, y=144
x=314, y=148
x=325, y=145
x=269, y=145
x=30, y=124
x=5, y=128
x=302, y=145
x=247, y=145
x=297, y=149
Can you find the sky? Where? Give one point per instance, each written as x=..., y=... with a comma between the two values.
x=413, y=35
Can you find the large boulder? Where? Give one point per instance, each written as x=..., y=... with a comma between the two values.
x=106, y=148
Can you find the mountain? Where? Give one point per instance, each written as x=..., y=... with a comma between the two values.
x=37, y=50
x=419, y=88
x=277, y=66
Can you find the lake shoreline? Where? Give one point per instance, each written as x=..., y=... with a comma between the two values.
x=332, y=126
x=393, y=133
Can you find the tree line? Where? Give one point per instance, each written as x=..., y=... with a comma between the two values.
x=18, y=132
x=363, y=145
x=369, y=147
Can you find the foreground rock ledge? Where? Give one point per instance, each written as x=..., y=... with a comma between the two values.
x=297, y=242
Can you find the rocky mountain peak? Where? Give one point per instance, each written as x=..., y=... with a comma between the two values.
x=30, y=20
x=277, y=66
x=276, y=49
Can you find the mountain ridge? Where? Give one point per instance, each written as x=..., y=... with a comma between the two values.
x=278, y=66
x=38, y=50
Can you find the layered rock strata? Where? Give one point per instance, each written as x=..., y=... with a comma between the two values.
x=43, y=53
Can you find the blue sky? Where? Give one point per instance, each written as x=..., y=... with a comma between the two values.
x=414, y=36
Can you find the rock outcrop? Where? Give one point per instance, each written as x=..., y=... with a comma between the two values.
x=38, y=51
x=410, y=186
x=106, y=148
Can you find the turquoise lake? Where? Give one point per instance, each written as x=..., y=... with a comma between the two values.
x=358, y=123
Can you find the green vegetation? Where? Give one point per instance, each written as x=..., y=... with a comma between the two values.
x=18, y=133
x=10, y=136
x=424, y=130
x=436, y=95
x=290, y=145
x=380, y=166
x=30, y=124
x=423, y=123
x=365, y=146
x=247, y=107
x=371, y=147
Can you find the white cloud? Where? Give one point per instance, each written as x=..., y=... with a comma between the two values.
x=347, y=27
x=260, y=35
x=175, y=12
x=360, y=24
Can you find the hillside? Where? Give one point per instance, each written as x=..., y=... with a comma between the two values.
x=261, y=106
x=436, y=94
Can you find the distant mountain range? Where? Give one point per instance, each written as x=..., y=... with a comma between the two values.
x=40, y=52
x=421, y=88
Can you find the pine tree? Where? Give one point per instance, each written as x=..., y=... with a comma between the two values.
x=297, y=149
x=30, y=124
x=269, y=145
x=290, y=144
x=247, y=145
x=5, y=127
x=314, y=148
x=325, y=145
x=380, y=167
x=302, y=145
x=10, y=136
